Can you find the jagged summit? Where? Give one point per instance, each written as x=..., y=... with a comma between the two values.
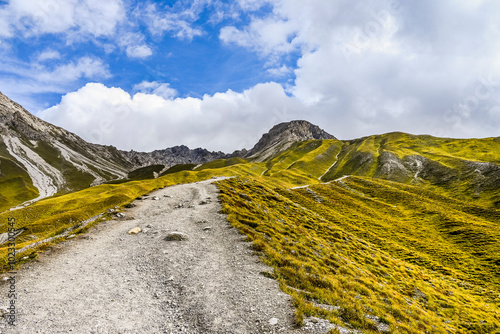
x=283, y=135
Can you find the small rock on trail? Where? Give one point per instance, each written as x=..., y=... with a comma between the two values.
x=176, y=236
x=135, y=230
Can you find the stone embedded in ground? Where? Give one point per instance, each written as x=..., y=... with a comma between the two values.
x=135, y=230
x=176, y=236
x=207, y=228
x=273, y=321
x=205, y=201
x=3, y=311
x=120, y=215
x=155, y=198
x=130, y=206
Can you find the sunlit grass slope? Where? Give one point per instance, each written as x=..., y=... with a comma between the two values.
x=15, y=184
x=364, y=249
x=468, y=169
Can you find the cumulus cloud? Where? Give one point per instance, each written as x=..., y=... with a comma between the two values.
x=375, y=66
x=223, y=121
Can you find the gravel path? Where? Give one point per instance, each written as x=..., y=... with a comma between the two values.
x=109, y=281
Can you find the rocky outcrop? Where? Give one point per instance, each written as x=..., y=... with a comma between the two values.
x=284, y=135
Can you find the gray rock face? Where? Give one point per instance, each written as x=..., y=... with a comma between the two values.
x=282, y=136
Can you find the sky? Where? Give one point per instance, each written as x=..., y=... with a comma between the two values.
x=147, y=75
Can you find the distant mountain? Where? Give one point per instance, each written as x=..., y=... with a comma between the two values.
x=284, y=135
x=38, y=159
x=173, y=156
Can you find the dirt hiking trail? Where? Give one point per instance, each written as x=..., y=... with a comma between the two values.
x=109, y=281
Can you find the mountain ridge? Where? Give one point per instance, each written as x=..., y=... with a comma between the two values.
x=282, y=136
x=38, y=159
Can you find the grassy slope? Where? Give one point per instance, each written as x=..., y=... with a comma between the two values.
x=145, y=173
x=179, y=168
x=449, y=159
x=362, y=256
x=15, y=183
x=411, y=256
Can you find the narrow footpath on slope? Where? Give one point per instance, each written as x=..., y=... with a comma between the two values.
x=109, y=281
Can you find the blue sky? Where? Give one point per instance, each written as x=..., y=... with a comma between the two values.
x=147, y=75
x=191, y=58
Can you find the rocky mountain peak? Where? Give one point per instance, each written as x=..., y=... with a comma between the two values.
x=15, y=120
x=283, y=135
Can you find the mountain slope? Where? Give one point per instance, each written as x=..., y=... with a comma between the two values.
x=465, y=168
x=375, y=255
x=38, y=159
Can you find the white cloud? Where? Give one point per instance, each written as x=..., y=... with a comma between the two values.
x=223, y=121
x=92, y=17
x=252, y=5
x=280, y=71
x=139, y=51
x=374, y=66
x=49, y=54
x=86, y=67
x=178, y=22
x=267, y=36
x=153, y=87
x=134, y=45
x=21, y=81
